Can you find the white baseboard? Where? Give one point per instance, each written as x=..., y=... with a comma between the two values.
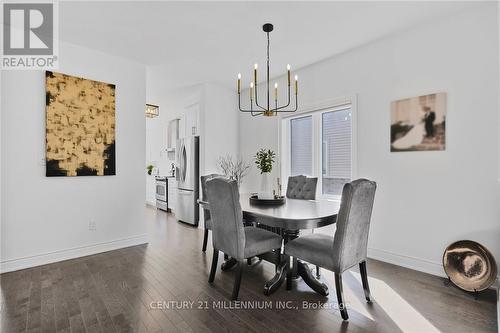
x=76, y=252
x=150, y=203
x=422, y=265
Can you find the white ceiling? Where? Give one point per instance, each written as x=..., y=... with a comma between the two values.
x=195, y=42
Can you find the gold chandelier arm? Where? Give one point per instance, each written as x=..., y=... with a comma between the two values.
x=251, y=111
x=278, y=110
x=256, y=100
x=239, y=104
x=288, y=104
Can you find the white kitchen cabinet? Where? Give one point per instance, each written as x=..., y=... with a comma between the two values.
x=188, y=124
x=182, y=127
x=172, y=193
x=172, y=134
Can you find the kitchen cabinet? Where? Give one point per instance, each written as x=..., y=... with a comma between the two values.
x=172, y=134
x=188, y=124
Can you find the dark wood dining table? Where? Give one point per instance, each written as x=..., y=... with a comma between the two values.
x=288, y=219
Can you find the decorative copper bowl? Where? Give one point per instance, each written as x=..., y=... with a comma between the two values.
x=469, y=265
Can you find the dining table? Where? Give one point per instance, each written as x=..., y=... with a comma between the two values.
x=287, y=219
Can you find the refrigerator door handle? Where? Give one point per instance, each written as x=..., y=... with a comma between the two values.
x=184, y=162
x=181, y=161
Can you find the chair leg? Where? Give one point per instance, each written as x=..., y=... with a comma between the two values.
x=215, y=258
x=205, y=239
x=318, y=274
x=288, y=275
x=249, y=261
x=364, y=280
x=237, y=280
x=340, y=296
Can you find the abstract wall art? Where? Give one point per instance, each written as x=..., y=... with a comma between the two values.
x=80, y=126
x=419, y=123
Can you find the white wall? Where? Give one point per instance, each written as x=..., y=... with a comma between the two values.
x=425, y=200
x=220, y=126
x=46, y=219
x=256, y=133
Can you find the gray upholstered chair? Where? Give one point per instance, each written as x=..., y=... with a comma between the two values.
x=206, y=212
x=301, y=187
x=229, y=235
x=349, y=245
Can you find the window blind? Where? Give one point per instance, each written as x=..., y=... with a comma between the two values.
x=336, y=150
x=301, y=146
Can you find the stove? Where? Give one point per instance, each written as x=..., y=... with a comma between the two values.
x=161, y=193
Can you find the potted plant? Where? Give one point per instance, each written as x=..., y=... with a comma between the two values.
x=264, y=160
x=150, y=169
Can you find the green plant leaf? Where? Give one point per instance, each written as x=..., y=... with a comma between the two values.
x=264, y=160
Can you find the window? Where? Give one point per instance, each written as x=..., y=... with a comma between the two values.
x=336, y=152
x=319, y=144
x=300, y=146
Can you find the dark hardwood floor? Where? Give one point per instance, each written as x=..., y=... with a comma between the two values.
x=129, y=290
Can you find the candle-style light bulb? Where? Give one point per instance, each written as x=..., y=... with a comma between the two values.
x=288, y=74
x=276, y=91
x=296, y=84
x=239, y=82
x=255, y=74
x=251, y=91
x=255, y=66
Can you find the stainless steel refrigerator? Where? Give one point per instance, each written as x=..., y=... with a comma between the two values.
x=188, y=175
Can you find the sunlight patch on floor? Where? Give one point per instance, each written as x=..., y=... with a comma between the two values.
x=357, y=304
x=407, y=318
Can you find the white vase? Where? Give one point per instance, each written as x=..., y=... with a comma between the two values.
x=266, y=191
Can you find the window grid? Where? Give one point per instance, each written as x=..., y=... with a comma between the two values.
x=320, y=144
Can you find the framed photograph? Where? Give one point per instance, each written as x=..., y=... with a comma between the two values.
x=419, y=123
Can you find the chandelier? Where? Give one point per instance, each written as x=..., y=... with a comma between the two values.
x=152, y=110
x=269, y=109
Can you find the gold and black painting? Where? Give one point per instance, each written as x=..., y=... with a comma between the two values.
x=80, y=126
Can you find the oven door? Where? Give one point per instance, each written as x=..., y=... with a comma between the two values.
x=161, y=191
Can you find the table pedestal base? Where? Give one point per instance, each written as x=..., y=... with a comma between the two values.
x=298, y=269
x=272, y=285
x=228, y=264
x=304, y=271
